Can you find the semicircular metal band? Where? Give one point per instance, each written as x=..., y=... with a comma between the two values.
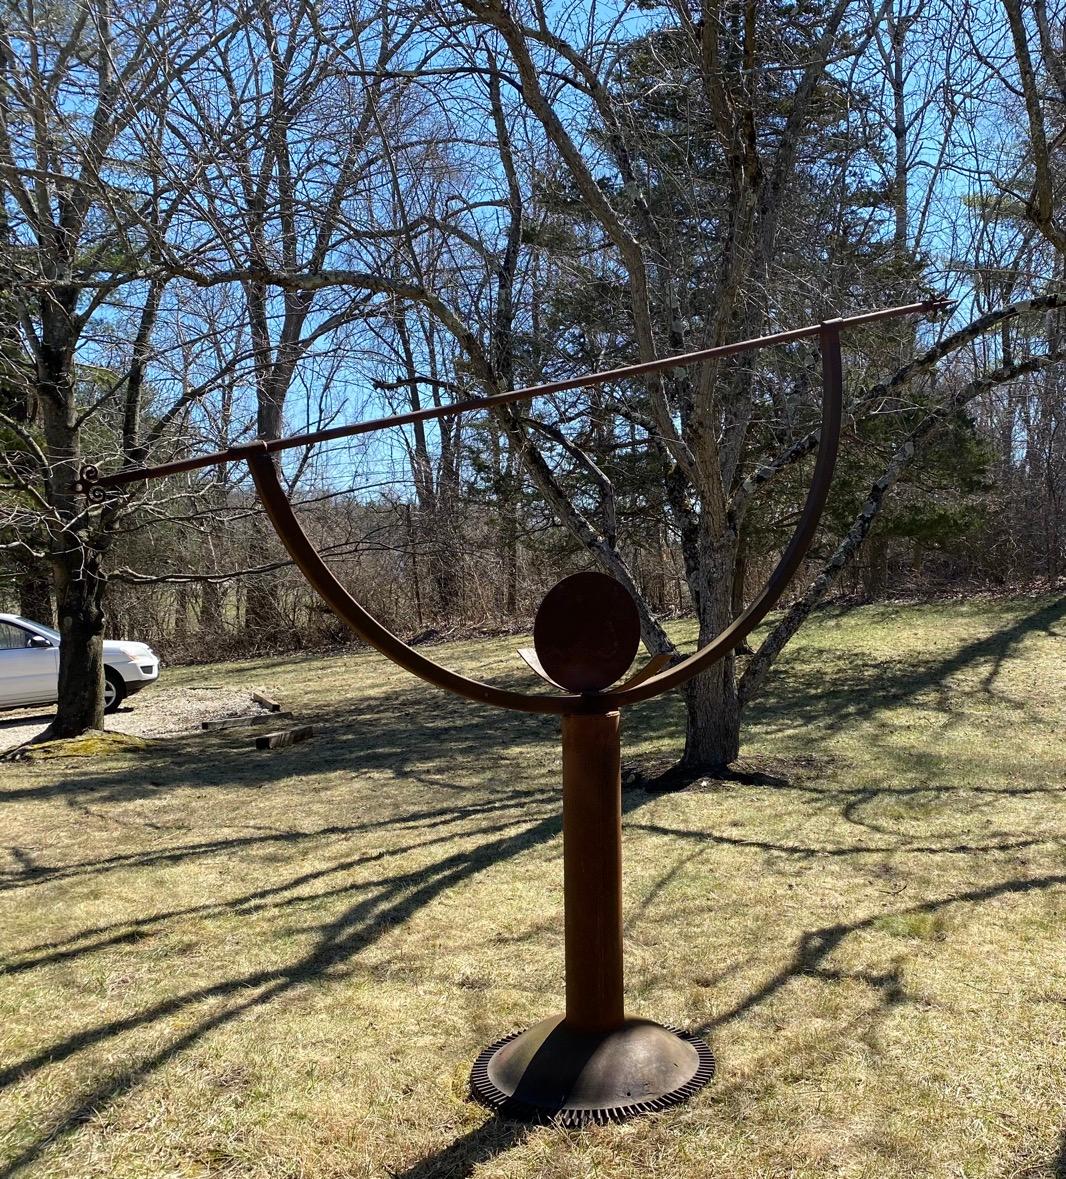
x=307, y=558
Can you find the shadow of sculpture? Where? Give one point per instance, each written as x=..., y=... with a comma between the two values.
x=391, y=902
x=496, y=828
x=458, y=1159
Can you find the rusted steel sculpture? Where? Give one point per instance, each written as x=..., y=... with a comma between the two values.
x=592, y=1063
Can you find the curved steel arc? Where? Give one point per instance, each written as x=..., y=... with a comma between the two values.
x=280, y=512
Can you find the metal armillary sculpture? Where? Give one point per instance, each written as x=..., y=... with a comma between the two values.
x=592, y=1063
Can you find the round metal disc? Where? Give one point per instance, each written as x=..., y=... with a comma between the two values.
x=587, y=632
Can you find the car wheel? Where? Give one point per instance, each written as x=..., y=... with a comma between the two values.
x=114, y=690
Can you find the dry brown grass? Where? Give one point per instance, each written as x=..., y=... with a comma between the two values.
x=217, y=962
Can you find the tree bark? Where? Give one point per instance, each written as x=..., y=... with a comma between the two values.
x=80, y=584
x=211, y=608
x=35, y=593
x=76, y=543
x=712, y=729
x=875, y=572
x=712, y=718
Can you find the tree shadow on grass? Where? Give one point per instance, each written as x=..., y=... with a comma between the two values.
x=814, y=947
x=132, y=930
x=854, y=689
x=359, y=927
x=414, y=731
x=376, y=733
x=391, y=902
x=422, y=733
x=653, y=777
x=32, y=873
x=129, y=931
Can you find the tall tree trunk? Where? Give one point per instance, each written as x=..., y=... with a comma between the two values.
x=508, y=534
x=875, y=569
x=35, y=593
x=712, y=728
x=263, y=622
x=181, y=614
x=211, y=608
x=75, y=544
x=412, y=549
x=712, y=717
x=446, y=569
x=80, y=584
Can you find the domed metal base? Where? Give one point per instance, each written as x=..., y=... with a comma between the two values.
x=551, y=1073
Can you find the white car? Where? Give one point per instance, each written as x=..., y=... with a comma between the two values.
x=29, y=665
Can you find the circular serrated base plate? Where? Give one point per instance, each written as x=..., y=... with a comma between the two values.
x=575, y=1080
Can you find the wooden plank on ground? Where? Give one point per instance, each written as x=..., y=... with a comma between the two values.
x=284, y=737
x=256, y=718
x=265, y=702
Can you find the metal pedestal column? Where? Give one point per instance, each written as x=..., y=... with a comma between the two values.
x=591, y=1064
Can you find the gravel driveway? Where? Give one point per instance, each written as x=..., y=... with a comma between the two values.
x=158, y=711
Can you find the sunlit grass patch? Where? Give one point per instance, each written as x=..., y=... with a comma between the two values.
x=926, y=926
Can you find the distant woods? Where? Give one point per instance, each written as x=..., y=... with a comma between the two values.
x=223, y=221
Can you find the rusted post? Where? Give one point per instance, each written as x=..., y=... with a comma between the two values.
x=592, y=871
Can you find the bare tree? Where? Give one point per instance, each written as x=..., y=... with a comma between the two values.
x=335, y=208
x=83, y=94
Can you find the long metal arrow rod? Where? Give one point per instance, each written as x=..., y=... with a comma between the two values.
x=91, y=479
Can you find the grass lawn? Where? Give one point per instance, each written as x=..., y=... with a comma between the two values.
x=221, y=962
